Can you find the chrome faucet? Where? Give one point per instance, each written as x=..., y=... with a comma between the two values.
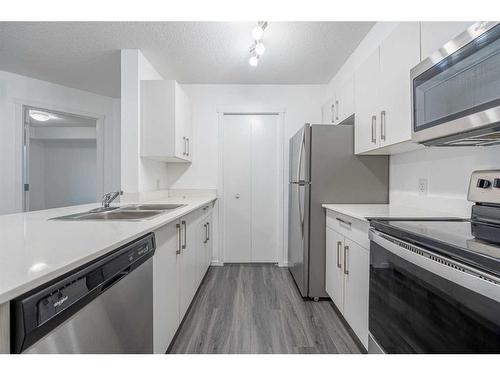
x=110, y=197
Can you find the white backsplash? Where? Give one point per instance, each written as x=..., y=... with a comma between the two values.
x=447, y=171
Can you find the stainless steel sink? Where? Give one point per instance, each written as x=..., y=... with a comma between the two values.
x=136, y=212
x=152, y=206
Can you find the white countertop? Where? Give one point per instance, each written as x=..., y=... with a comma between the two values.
x=374, y=211
x=35, y=250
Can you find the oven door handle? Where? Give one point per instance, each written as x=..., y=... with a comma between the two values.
x=480, y=282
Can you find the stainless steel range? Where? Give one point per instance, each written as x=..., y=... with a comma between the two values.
x=435, y=284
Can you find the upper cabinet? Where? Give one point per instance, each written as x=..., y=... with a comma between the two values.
x=382, y=87
x=341, y=104
x=382, y=93
x=366, y=92
x=398, y=54
x=165, y=121
x=435, y=34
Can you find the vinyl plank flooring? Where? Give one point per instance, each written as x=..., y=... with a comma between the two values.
x=256, y=308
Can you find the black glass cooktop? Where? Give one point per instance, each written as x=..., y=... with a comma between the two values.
x=477, y=244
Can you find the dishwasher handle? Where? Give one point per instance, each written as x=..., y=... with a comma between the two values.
x=113, y=280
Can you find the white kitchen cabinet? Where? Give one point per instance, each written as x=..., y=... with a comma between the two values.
x=398, y=54
x=165, y=122
x=191, y=250
x=366, y=92
x=356, y=288
x=165, y=286
x=435, y=34
x=341, y=104
x=179, y=264
x=344, y=103
x=382, y=93
x=334, y=273
x=347, y=270
x=328, y=111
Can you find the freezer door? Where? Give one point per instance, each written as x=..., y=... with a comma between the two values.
x=298, y=235
x=300, y=155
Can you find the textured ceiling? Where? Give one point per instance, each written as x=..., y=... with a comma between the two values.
x=85, y=55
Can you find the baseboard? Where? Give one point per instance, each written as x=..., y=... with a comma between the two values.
x=282, y=264
x=216, y=263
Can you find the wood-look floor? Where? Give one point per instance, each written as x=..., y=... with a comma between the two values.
x=256, y=308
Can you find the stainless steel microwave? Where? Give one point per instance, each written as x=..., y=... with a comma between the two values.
x=456, y=91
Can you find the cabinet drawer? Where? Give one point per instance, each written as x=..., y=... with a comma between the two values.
x=350, y=227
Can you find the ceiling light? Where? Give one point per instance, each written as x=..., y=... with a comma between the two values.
x=258, y=32
x=260, y=48
x=39, y=115
x=253, y=61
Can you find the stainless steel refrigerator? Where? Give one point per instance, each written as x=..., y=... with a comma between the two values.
x=324, y=169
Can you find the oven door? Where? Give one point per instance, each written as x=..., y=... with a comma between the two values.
x=456, y=91
x=423, y=303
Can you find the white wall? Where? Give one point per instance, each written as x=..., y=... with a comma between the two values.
x=137, y=174
x=68, y=174
x=300, y=103
x=447, y=171
x=16, y=90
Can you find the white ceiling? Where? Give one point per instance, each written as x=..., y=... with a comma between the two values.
x=85, y=55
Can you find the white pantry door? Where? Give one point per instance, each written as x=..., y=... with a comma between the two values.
x=250, y=160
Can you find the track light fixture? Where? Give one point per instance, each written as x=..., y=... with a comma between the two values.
x=257, y=49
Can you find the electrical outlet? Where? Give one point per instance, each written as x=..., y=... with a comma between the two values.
x=422, y=186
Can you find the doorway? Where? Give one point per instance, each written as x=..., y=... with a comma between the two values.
x=62, y=159
x=251, y=174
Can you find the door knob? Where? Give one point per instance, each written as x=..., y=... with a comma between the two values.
x=237, y=196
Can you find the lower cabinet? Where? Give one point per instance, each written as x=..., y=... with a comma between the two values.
x=182, y=257
x=347, y=280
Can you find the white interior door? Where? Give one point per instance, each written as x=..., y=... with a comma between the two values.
x=250, y=188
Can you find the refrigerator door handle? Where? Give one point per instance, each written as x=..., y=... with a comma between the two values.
x=301, y=217
x=301, y=149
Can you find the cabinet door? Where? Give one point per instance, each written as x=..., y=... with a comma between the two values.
x=366, y=102
x=334, y=271
x=345, y=100
x=356, y=287
x=328, y=111
x=435, y=34
x=190, y=250
x=165, y=286
x=399, y=52
x=208, y=244
x=184, y=142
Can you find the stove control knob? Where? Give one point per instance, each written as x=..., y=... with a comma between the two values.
x=483, y=183
x=496, y=183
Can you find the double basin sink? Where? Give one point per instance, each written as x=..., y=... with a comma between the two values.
x=133, y=212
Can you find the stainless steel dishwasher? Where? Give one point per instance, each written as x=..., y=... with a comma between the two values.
x=105, y=306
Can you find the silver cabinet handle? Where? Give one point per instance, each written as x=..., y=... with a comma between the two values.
x=382, y=125
x=206, y=239
x=348, y=223
x=346, y=249
x=188, y=146
x=339, y=246
x=183, y=222
x=208, y=231
x=332, y=108
x=374, y=129
x=337, y=110
x=179, y=241
x=185, y=146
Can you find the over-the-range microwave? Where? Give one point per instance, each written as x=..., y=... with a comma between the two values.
x=456, y=91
